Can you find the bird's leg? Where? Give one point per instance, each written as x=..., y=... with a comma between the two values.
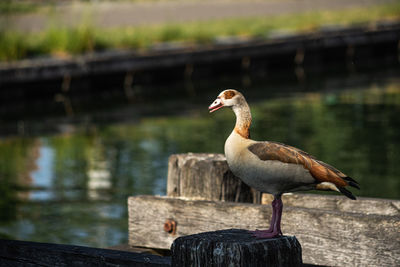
x=273, y=218
x=272, y=223
x=278, y=208
x=275, y=226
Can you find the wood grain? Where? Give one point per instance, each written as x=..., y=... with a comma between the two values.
x=327, y=237
x=207, y=177
x=362, y=205
x=235, y=247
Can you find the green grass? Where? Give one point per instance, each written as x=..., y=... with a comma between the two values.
x=87, y=38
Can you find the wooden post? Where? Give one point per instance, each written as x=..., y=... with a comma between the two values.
x=235, y=247
x=206, y=176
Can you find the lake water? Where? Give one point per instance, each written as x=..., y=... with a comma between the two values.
x=69, y=162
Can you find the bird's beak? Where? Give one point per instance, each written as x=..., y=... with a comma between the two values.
x=217, y=104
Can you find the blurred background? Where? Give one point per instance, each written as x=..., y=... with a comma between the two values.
x=74, y=147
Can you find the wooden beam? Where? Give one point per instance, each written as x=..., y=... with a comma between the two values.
x=235, y=247
x=327, y=237
x=367, y=206
x=23, y=253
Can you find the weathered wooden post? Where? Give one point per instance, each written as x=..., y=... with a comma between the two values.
x=206, y=176
x=235, y=247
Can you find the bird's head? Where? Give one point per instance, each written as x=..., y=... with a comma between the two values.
x=227, y=98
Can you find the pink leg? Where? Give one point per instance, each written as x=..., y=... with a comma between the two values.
x=275, y=226
x=271, y=226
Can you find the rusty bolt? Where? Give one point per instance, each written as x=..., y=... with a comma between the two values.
x=170, y=226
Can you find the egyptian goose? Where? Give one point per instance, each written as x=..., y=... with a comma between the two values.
x=273, y=167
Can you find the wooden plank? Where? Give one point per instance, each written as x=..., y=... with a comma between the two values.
x=142, y=250
x=363, y=205
x=23, y=253
x=327, y=237
x=235, y=247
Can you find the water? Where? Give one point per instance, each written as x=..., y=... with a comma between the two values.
x=67, y=169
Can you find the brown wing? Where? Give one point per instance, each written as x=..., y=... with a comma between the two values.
x=321, y=171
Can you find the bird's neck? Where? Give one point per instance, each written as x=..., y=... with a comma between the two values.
x=243, y=119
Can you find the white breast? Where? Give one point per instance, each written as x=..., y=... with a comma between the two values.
x=269, y=176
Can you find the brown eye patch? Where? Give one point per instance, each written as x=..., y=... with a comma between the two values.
x=229, y=94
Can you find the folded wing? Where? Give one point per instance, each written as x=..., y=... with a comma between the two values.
x=321, y=171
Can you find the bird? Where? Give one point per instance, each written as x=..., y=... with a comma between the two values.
x=273, y=167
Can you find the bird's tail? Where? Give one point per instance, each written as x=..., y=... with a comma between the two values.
x=351, y=182
x=346, y=192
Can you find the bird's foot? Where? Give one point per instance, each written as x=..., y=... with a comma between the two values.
x=270, y=230
x=264, y=234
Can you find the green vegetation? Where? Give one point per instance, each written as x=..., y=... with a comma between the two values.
x=87, y=38
x=16, y=157
x=13, y=7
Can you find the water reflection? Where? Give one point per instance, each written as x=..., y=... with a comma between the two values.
x=42, y=177
x=72, y=187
